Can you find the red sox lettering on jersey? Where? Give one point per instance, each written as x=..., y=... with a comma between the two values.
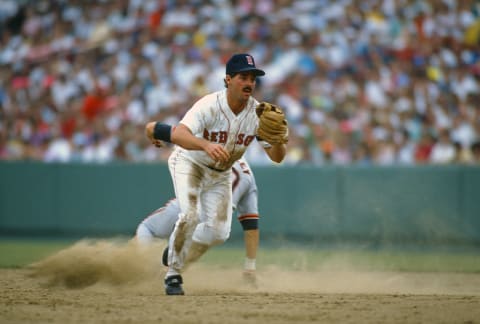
x=212, y=119
x=221, y=137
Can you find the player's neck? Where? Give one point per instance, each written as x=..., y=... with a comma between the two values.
x=236, y=106
x=238, y=110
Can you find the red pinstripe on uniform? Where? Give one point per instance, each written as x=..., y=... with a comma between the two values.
x=223, y=113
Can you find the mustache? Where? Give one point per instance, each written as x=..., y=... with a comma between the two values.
x=247, y=88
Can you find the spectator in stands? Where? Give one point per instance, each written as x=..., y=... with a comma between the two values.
x=475, y=150
x=360, y=81
x=443, y=151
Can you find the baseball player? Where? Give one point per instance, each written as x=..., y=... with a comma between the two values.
x=161, y=222
x=213, y=134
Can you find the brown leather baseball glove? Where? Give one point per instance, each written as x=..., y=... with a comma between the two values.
x=273, y=126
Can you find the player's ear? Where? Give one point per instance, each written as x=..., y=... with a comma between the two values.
x=227, y=80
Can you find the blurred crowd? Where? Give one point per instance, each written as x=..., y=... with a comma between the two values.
x=366, y=82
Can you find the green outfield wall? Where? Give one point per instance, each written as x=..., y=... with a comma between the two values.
x=331, y=204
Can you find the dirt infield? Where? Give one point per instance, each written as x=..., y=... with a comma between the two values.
x=92, y=285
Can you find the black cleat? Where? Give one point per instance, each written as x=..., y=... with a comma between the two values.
x=165, y=257
x=173, y=285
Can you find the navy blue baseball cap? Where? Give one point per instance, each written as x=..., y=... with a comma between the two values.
x=242, y=63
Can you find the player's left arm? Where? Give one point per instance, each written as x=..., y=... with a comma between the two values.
x=272, y=130
x=276, y=152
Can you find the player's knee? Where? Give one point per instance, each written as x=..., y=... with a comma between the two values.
x=222, y=237
x=210, y=235
x=143, y=234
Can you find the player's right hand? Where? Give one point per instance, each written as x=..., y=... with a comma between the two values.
x=158, y=143
x=149, y=133
x=217, y=152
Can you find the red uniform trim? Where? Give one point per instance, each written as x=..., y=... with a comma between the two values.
x=248, y=216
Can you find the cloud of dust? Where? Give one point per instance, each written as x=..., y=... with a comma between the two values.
x=200, y=280
x=274, y=279
x=88, y=262
x=336, y=273
x=107, y=264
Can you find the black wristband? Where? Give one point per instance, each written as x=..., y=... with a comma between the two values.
x=162, y=132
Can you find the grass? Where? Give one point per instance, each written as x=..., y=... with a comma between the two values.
x=16, y=253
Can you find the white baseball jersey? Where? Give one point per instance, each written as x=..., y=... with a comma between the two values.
x=211, y=118
x=161, y=222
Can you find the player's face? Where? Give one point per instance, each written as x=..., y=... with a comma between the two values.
x=242, y=85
